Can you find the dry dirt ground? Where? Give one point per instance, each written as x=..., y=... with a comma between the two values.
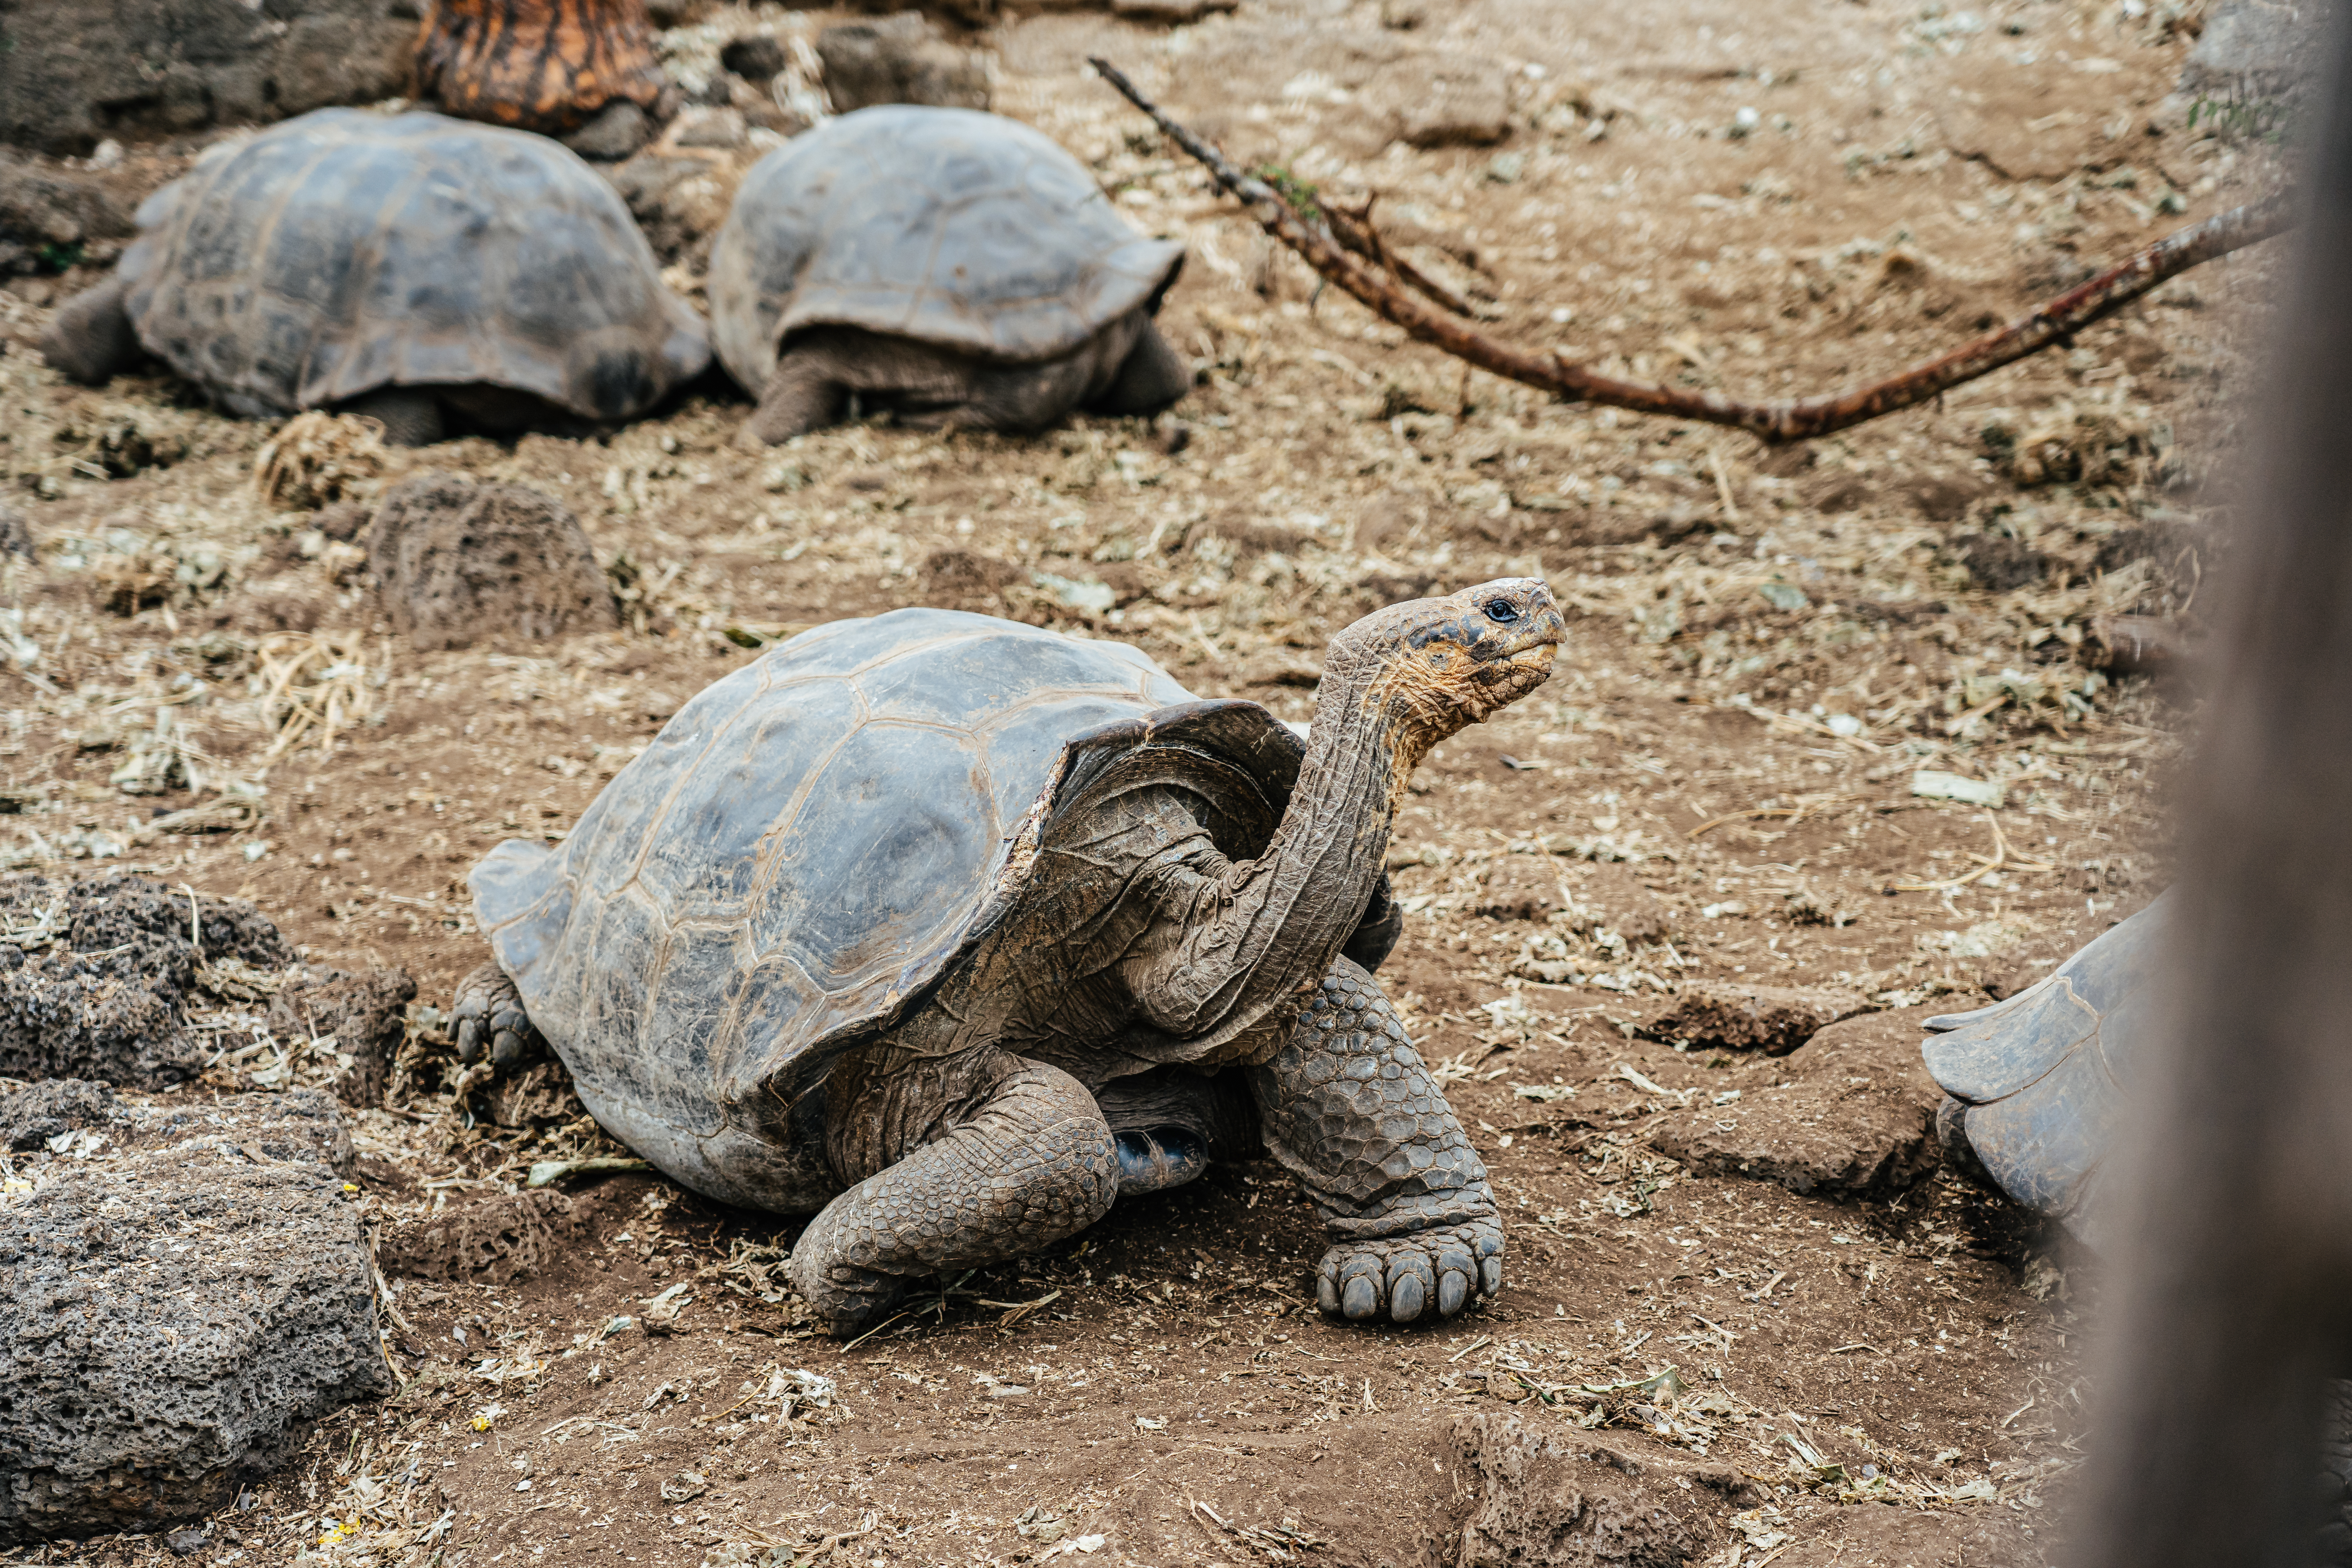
x=1742, y=1265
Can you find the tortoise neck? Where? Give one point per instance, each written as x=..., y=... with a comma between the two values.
x=1254, y=938
x=1318, y=871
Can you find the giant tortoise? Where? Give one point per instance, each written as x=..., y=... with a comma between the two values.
x=954, y=929
x=2033, y=1084
x=955, y=267
x=391, y=265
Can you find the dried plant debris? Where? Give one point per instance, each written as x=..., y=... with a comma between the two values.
x=359, y=1021
x=318, y=459
x=99, y=975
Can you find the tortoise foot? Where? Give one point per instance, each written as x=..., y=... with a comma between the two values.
x=1436, y=1271
x=490, y=1022
x=848, y=1300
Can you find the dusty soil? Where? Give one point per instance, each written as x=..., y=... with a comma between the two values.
x=1720, y=787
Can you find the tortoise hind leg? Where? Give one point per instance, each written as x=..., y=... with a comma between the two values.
x=1024, y=1160
x=1152, y=376
x=1171, y=1124
x=804, y=394
x=90, y=338
x=490, y=1020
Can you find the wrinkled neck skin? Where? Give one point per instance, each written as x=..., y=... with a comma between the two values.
x=1243, y=937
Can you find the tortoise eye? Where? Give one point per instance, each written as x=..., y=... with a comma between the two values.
x=1502, y=611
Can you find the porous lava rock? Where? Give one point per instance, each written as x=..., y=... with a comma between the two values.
x=499, y=1239
x=94, y=975
x=73, y=73
x=1858, y=1115
x=1774, y=1019
x=457, y=562
x=899, y=60
x=1551, y=1496
x=171, y=1317
x=52, y=218
x=301, y=1124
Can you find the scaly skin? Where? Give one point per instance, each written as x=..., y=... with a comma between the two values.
x=1351, y=1112
x=1035, y=1163
x=969, y=1133
x=490, y=1019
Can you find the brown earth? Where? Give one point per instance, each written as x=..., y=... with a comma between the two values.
x=1742, y=1306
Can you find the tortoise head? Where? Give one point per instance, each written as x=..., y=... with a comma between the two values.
x=1428, y=668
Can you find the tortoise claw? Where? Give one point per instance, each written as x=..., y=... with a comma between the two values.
x=1403, y=1277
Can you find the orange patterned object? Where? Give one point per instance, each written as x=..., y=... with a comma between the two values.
x=537, y=65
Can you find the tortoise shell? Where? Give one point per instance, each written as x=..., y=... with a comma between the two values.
x=2037, y=1081
x=345, y=251
x=946, y=226
x=809, y=844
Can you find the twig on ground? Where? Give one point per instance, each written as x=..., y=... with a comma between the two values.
x=1793, y=419
x=1998, y=860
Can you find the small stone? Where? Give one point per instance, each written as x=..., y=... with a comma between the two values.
x=1176, y=13
x=1521, y=888
x=619, y=129
x=705, y=127
x=755, y=56
x=1613, y=898
x=1440, y=98
x=1403, y=16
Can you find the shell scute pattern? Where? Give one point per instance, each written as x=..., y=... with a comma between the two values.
x=800, y=849
x=709, y=843
x=344, y=251
x=946, y=226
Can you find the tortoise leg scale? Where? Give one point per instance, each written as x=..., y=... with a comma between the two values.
x=1034, y=1162
x=1352, y=1114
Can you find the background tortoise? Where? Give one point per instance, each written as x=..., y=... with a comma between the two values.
x=952, y=928
x=2034, y=1085
x=958, y=266
x=390, y=264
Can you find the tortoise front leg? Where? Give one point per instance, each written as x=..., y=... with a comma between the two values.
x=1024, y=1160
x=1351, y=1112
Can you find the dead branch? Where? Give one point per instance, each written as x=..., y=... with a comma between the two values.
x=1793, y=419
x=1355, y=231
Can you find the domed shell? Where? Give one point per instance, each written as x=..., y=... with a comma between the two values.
x=2038, y=1080
x=803, y=850
x=946, y=226
x=345, y=251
